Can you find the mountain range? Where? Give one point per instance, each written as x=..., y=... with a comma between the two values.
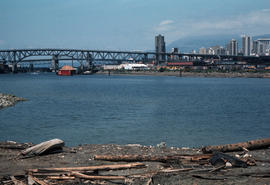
x=188, y=44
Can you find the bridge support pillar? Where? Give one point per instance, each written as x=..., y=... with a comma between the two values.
x=145, y=59
x=14, y=67
x=14, y=63
x=55, y=63
x=31, y=67
x=89, y=61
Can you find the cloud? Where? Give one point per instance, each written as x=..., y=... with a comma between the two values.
x=255, y=22
x=164, y=26
x=166, y=22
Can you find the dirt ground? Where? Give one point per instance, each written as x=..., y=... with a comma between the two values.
x=13, y=164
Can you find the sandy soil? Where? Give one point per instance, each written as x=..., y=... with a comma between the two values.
x=14, y=165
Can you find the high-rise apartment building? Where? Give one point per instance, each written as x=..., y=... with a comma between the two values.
x=263, y=45
x=160, y=47
x=260, y=46
x=246, y=45
x=233, y=47
x=255, y=47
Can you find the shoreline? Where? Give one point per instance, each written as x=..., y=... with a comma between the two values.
x=190, y=74
x=195, y=171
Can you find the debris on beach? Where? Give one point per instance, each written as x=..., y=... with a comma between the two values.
x=250, y=145
x=51, y=146
x=131, y=164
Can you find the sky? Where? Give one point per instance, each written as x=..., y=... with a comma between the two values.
x=124, y=24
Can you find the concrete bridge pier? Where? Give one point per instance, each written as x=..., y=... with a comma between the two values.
x=14, y=67
x=55, y=63
x=31, y=67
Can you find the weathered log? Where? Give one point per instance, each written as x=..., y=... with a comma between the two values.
x=83, y=176
x=131, y=158
x=16, y=182
x=51, y=174
x=37, y=180
x=250, y=145
x=90, y=168
x=44, y=147
x=61, y=177
x=17, y=146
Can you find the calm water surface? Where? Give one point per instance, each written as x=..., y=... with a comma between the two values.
x=135, y=109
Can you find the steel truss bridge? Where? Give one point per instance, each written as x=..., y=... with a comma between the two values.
x=86, y=57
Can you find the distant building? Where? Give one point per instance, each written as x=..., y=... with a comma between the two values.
x=175, y=50
x=263, y=45
x=246, y=45
x=174, y=56
x=233, y=47
x=255, y=47
x=210, y=51
x=160, y=47
x=216, y=50
x=203, y=51
x=67, y=71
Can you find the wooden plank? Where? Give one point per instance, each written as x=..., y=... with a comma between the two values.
x=61, y=177
x=90, y=168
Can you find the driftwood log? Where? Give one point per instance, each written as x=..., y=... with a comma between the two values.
x=44, y=147
x=14, y=145
x=89, y=168
x=250, y=145
x=131, y=158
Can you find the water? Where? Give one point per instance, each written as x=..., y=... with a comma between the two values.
x=135, y=109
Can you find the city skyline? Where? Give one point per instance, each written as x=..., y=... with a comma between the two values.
x=124, y=24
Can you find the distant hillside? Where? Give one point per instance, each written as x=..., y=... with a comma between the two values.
x=190, y=43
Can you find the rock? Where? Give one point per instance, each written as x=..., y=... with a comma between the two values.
x=7, y=100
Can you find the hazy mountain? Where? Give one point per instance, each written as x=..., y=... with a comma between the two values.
x=188, y=44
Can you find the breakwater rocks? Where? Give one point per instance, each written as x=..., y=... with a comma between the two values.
x=7, y=100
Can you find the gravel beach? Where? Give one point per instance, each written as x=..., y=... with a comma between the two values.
x=172, y=172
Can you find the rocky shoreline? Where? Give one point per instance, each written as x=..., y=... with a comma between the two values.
x=191, y=74
x=7, y=100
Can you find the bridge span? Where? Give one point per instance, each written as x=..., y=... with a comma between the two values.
x=86, y=57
